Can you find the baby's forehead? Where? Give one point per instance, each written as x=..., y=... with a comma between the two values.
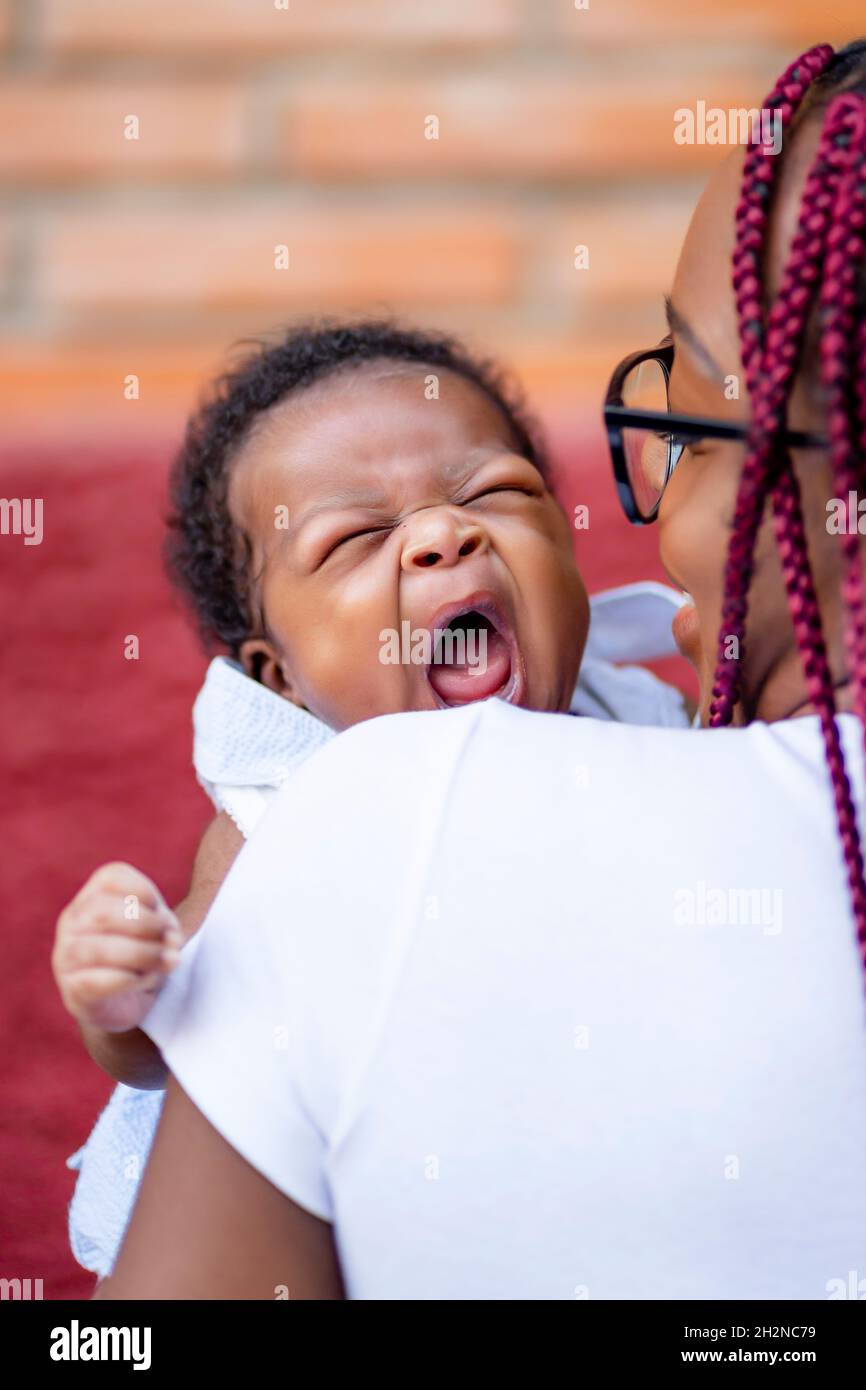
x=358, y=427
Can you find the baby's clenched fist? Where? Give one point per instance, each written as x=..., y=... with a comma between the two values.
x=116, y=941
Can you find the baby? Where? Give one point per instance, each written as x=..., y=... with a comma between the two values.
x=354, y=485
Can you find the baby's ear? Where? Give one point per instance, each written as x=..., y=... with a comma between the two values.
x=261, y=660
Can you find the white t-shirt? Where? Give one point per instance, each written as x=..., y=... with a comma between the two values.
x=532, y=1006
x=249, y=741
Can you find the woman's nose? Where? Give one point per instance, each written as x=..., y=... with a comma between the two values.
x=439, y=537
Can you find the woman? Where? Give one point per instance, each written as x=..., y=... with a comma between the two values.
x=591, y=995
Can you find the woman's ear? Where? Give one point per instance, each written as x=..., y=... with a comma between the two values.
x=261, y=660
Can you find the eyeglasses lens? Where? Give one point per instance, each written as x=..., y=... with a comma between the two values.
x=647, y=452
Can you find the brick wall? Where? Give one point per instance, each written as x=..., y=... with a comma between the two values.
x=305, y=127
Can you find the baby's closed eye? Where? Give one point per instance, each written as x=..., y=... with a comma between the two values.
x=367, y=534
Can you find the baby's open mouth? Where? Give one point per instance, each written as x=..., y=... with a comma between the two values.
x=473, y=656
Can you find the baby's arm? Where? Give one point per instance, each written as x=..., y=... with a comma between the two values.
x=109, y=969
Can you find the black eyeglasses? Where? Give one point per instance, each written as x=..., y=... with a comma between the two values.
x=647, y=441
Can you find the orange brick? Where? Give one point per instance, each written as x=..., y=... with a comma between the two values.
x=223, y=259
x=6, y=250
x=560, y=371
x=795, y=23
x=73, y=130
x=534, y=128
x=84, y=382
x=202, y=27
x=6, y=29
x=633, y=247
x=5, y=257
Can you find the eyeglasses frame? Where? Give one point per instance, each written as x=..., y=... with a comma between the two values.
x=618, y=417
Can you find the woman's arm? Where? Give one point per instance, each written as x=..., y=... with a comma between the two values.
x=131, y=1056
x=207, y=1225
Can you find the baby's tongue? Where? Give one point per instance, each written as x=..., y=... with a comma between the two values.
x=459, y=683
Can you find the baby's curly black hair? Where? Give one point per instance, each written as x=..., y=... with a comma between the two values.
x=208, y=556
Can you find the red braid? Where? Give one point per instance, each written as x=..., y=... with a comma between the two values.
x=802, y=601
x=839, y=367
x=827, y=249
x=751, y=220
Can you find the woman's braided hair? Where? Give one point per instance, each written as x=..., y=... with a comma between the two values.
x=824, y=273
x=207, y=554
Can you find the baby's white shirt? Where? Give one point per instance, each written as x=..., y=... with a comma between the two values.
x=248, y=741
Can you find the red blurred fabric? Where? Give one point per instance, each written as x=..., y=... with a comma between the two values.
x=96, y=754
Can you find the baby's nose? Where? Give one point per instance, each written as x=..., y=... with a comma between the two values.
x=440, y=538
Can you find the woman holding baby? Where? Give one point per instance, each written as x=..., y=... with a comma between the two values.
x=445, y=1034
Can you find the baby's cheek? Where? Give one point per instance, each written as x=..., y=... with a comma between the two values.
x=558, y=625
x=571, y=626
x=555, y=581
x=344, y=679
